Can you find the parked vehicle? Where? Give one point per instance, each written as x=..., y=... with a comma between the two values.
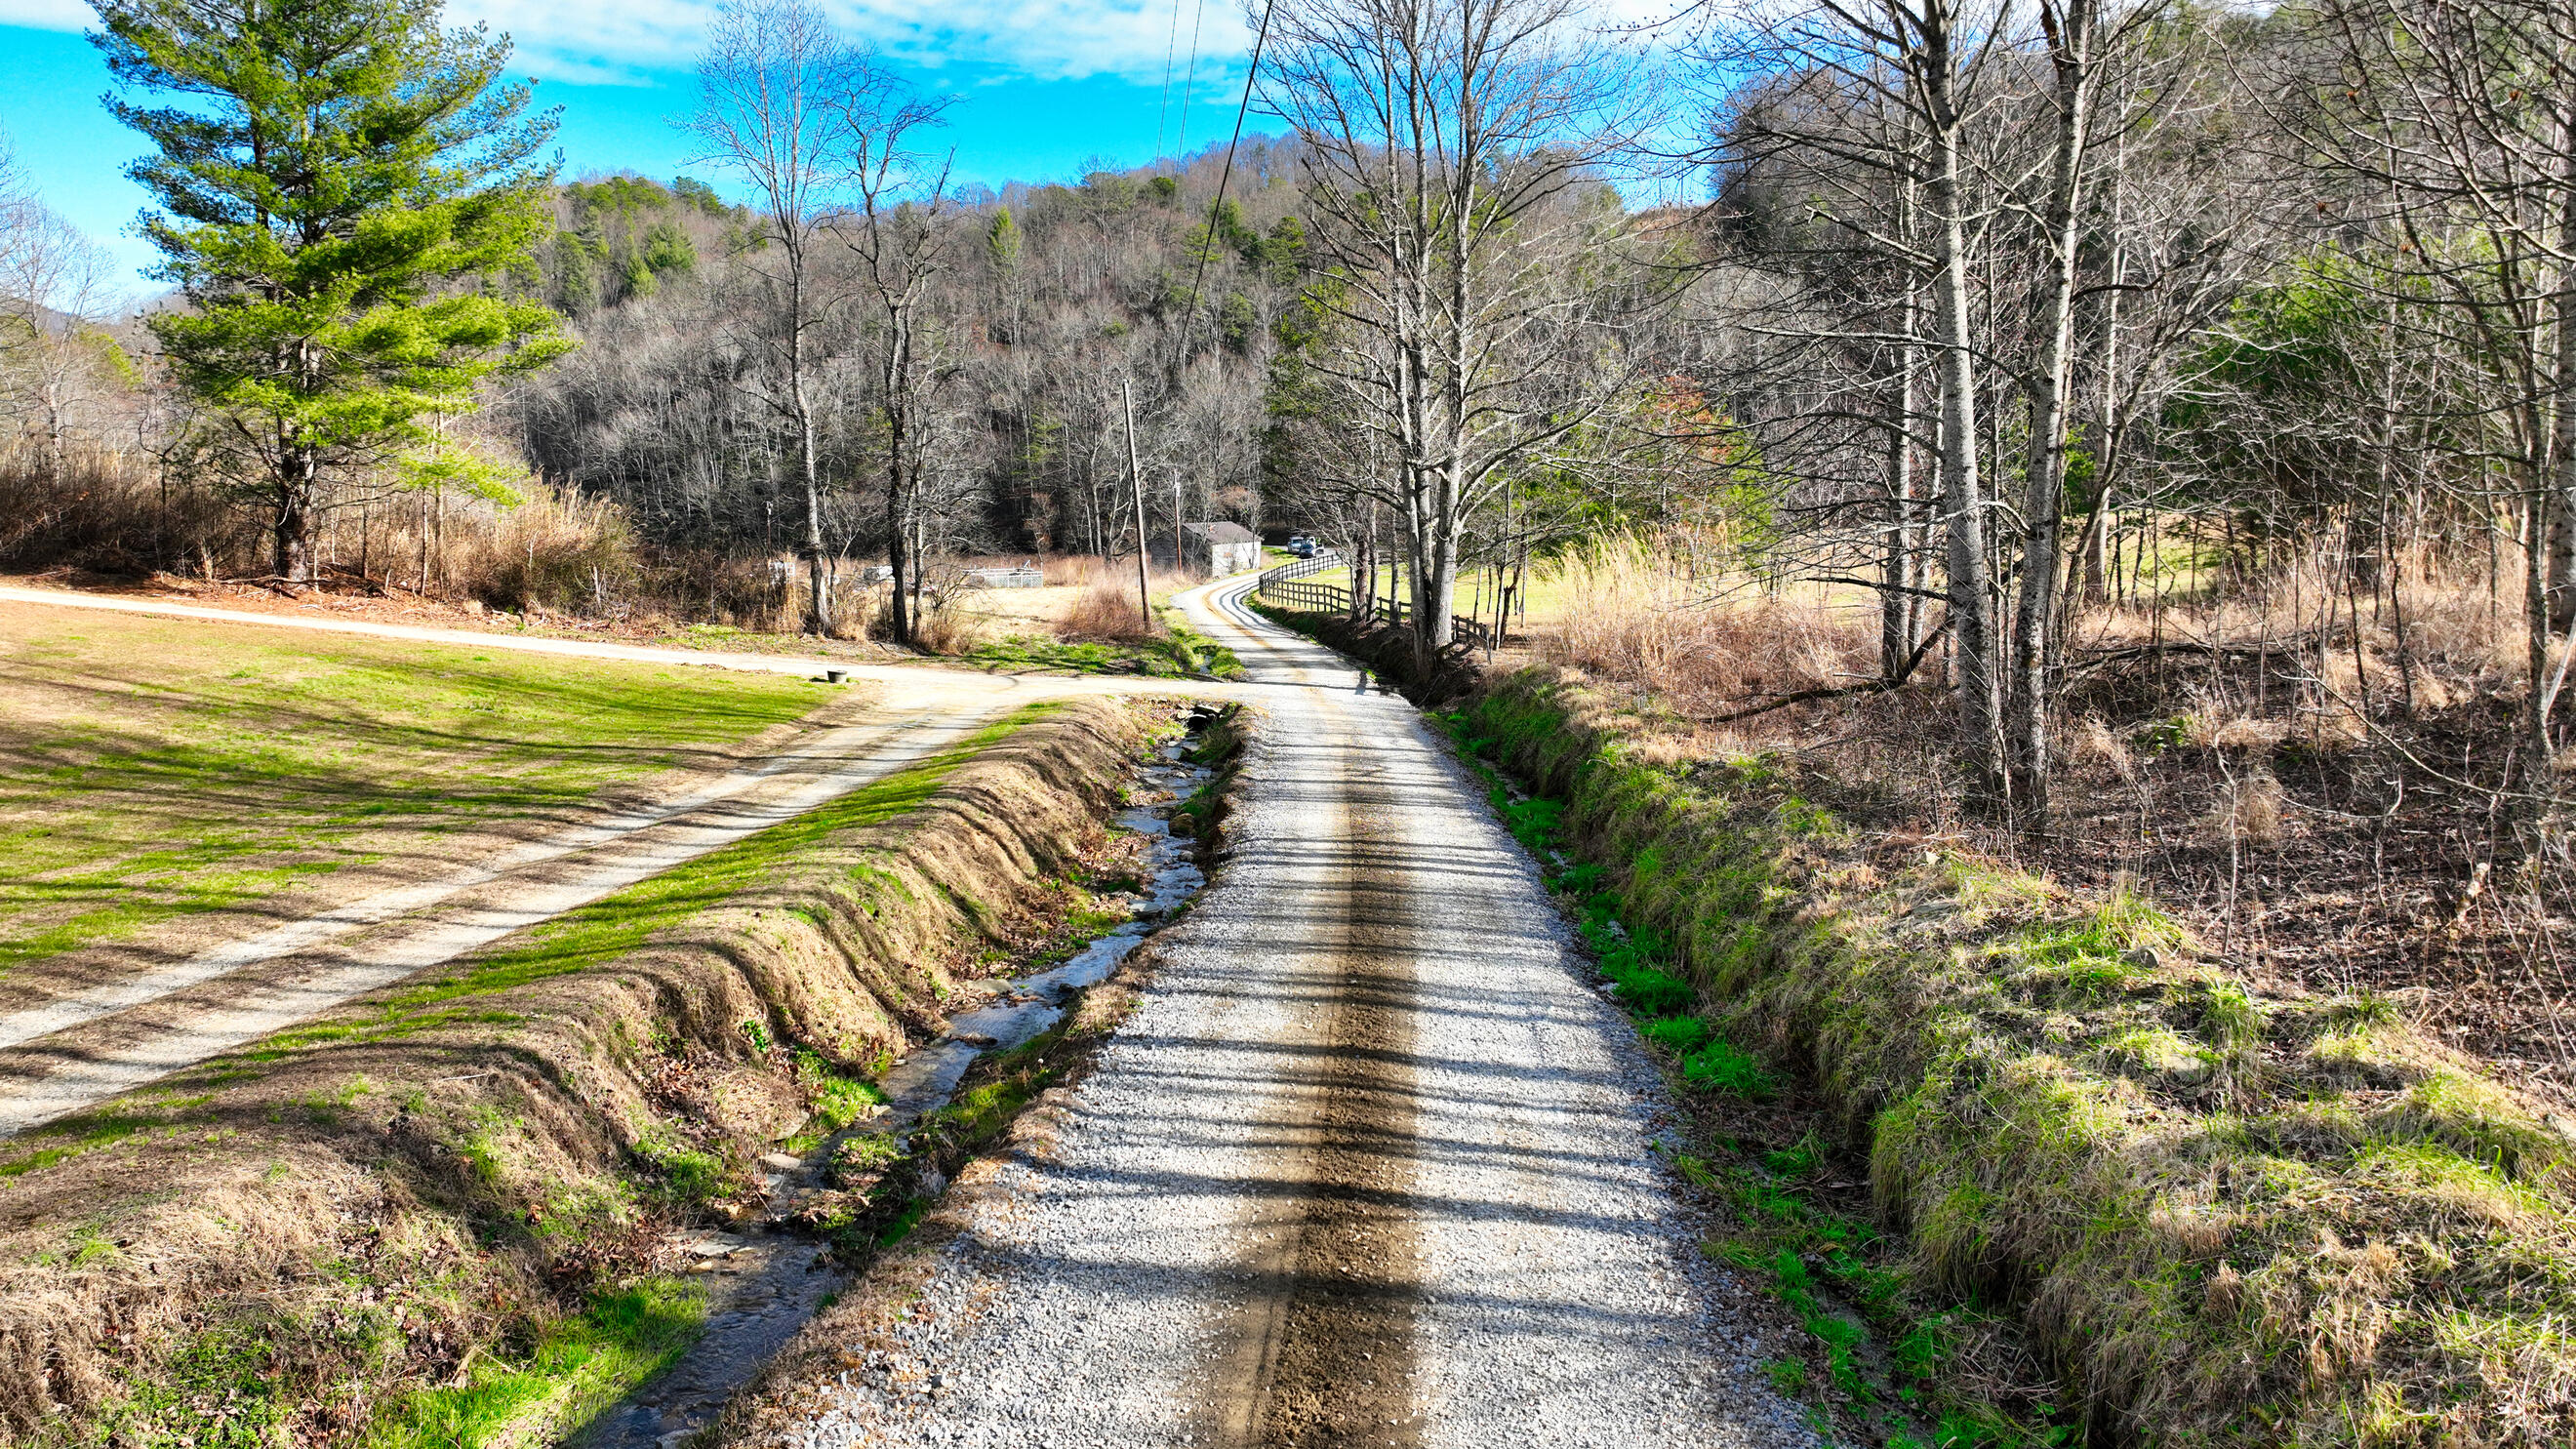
x=1301, y=546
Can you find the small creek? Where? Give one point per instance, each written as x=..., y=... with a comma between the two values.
x=764, y=1282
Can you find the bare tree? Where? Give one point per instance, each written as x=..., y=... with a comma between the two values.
x=1447, y=150
x=1925, y=64
x=2456, y=120
x=56, y=286
x=900, y=230
x=774, y=85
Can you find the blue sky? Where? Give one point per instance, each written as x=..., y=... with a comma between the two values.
x=1044, y=86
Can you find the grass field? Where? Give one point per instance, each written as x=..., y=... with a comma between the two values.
x=153, y=770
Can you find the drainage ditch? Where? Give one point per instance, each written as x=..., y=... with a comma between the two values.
x=766, y=1280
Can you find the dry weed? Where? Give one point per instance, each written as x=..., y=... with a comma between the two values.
x=1107, y=608
x=2248, y=809
x=947, y=629
x=2460, y=632
x=557, y=549
x=1704, y=640
x=2212, y=731
x=2094, y=739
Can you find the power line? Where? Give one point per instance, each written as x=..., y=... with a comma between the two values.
x=1198, y=19
x=1171, y=45
x=1242, y=108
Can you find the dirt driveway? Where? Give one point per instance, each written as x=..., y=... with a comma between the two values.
x=71, y=1038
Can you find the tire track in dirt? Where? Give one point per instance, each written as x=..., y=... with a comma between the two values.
x=1326, y=1355
x=80, y=1007
x=130, y=1034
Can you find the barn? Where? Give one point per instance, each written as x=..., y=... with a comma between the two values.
x=1213, y=550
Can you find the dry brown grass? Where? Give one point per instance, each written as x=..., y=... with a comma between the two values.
x=1070, y=569
x=949, y=628
x=1106, y=608
x=112, y=514
x=1632, y=611
x=2435, y=637
x=557, y=549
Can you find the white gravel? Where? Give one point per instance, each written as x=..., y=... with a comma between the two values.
x=1101, y=1298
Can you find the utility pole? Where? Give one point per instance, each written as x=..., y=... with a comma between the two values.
x=1136, y=492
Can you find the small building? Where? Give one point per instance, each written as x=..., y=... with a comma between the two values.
x=1213, y=550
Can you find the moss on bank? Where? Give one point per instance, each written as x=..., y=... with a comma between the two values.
x=2220, y=1217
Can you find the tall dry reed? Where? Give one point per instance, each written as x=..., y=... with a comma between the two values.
x=1106, y=608
x=1634, y=611
x=557, y=549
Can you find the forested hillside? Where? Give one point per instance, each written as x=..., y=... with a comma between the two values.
x=1048, y=296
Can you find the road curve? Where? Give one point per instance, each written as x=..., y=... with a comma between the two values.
x=1368, y=1164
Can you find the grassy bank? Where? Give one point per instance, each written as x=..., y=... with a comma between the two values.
x=435, y=1215
x=1010, y=1107
x=153, y=771
x=2216, y=1216
x=1177, y=652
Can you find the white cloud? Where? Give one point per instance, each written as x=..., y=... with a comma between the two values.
x=47, y=14
x=596, y=40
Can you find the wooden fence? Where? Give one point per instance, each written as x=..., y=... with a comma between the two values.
x=1289, y=587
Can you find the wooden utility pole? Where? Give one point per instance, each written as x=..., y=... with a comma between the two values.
x=1136, y=493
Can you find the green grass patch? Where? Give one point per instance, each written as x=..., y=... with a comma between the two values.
x=157, y=769
x=1178, y=652
x=578, y=1366
x=836, y=1099
x=616, y=924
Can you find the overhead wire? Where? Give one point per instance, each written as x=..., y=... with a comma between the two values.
x=1171, y=47
x=1198, y=21
x=1190, y=314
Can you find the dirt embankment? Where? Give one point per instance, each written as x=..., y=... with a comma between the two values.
x=304, y=1237
x=2219, y=1216
x=1011, y=1105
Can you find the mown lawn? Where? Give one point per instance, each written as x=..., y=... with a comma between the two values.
x=154, y=769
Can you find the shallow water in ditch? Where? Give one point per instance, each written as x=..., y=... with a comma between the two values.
x=763, y=1286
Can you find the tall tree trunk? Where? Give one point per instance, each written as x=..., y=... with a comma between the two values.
x=2562, y=442
x=903, y=561
x=1900, y=608
x=1435, y=580
x=2035, y=649
x=818, y=605
x=1969, y=587
x=299, y=479
x=1136, y=495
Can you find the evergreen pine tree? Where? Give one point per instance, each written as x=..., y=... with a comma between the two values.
x=343, y=191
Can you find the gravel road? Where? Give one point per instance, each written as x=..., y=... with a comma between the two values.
x=1368, y=1164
